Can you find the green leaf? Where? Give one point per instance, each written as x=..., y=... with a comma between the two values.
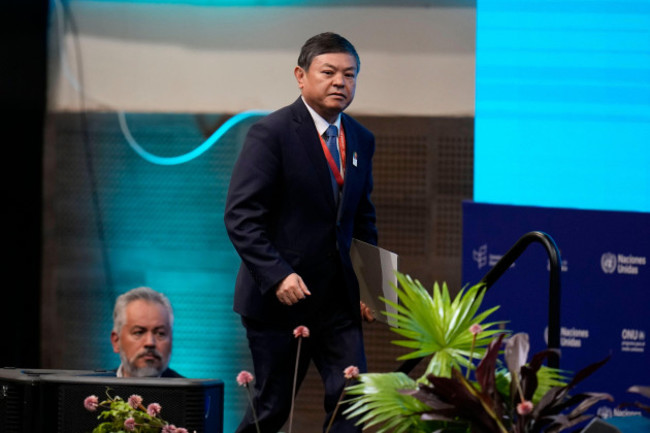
x=428, y=324
x=380, y=402
x=437, y=325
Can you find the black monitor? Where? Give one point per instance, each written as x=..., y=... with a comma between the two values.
x=20, y=397
x=52, y=400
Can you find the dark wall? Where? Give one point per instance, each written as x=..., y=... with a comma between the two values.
x=22, y=98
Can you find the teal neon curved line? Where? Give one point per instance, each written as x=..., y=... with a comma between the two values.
x=148, y=156
x=181, y=159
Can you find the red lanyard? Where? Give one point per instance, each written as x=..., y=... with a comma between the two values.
x=330, y=159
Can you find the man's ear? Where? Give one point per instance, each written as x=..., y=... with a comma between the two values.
x=115, y=340
x=299, y=73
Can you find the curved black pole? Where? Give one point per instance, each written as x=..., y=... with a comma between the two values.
x=554, y=290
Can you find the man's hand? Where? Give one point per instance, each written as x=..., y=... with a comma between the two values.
x=366, y=313
x=291, y=290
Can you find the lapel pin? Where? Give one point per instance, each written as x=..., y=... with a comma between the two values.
x=354, y=159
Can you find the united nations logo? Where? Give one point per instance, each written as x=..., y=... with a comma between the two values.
x=480, y=256
x=608, y=262
x=605, y=412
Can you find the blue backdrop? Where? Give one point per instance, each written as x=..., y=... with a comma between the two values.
x=563, y=103
x=605, y=279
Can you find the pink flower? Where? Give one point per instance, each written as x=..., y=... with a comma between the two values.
x=169, y=428
x=153, y=409
x=351, y=372
x=129, y=424
x=475, y=329
x=91, y=403
x=181, y=430
x=135, y=401
x=244, y=378
x=525, y=407
x=301, y=331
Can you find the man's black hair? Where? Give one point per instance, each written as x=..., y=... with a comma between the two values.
x=325, y=43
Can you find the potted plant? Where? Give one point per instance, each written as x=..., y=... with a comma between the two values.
x=511, y=396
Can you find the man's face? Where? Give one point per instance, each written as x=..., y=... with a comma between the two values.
x=329, y=83
x=145, y=341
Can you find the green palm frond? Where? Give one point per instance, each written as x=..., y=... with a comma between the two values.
x=435, y=324
x=381, y=403
x=547, y=378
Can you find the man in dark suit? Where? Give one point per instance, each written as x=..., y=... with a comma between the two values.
x=300, y=191
x=142, y=333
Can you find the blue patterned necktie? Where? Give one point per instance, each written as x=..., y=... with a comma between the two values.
x=330, y=140
x=332, y=133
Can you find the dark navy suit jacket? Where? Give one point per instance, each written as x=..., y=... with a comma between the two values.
x=281, y=214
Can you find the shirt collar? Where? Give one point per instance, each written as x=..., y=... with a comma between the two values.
x=321, y=124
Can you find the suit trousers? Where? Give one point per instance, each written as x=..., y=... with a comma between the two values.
x=333, y=345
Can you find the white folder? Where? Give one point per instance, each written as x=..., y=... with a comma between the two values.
x=375, y=268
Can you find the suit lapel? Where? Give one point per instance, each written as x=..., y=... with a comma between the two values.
x=310, y=142
x=351, y=171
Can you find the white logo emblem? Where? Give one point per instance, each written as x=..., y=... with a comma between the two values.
x=605, y=412
x=480, y=256
x=608, y=263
